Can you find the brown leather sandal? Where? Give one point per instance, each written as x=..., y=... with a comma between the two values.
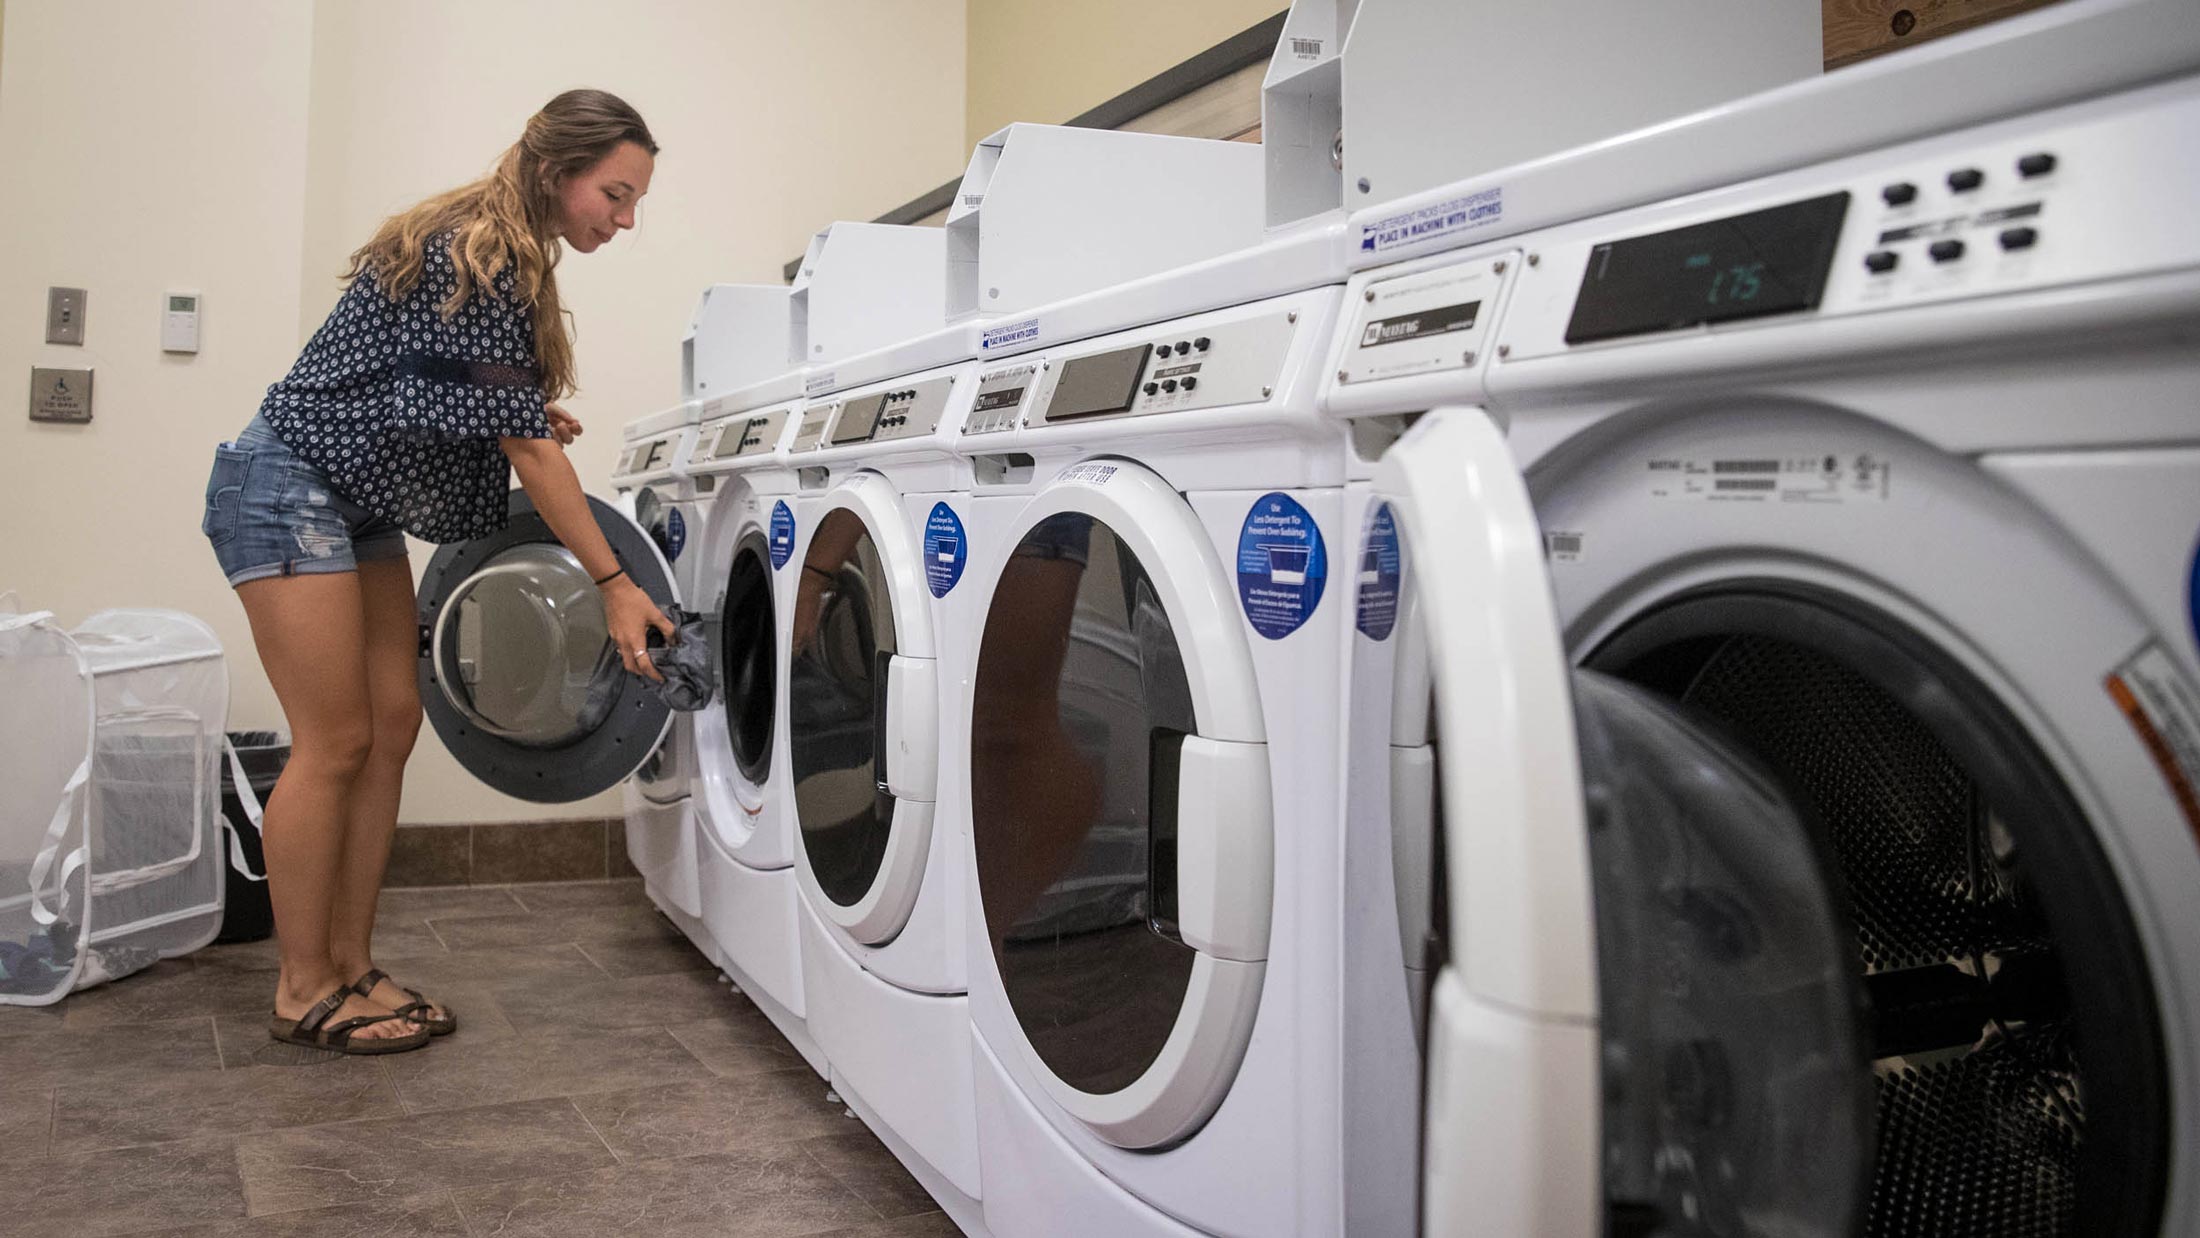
x=416, y=1010
x=314, y=1032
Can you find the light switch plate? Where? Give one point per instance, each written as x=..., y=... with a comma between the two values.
x=65, y=315
x=61, y=395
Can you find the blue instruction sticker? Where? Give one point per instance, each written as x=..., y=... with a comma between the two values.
x=676, y=535
x=1468, y=214
x=1380, y=569
x=945, y=550
x=1281, y=565
x=782, y=534
x=2192, y=595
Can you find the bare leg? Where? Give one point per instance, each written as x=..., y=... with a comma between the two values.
x=392, y=655
x=311, y=638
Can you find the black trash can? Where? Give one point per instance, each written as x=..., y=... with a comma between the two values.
x=247, y=915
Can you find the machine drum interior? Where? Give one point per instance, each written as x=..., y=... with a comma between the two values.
x=2015, y=1050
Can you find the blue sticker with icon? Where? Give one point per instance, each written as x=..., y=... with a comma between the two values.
x=1281, y=565
x=945, y=550
x=2192, y=595
x=676, y=534
x=782, y=534
x=1380, y=569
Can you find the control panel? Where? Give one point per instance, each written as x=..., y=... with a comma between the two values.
x=648, y=455
x=1171, y=369
x=910, y=411
x=1001, y=398
x=737, y=437
x=2065, y=200
x=811, y=431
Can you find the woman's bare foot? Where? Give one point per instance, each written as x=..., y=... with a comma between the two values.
x=393, y=995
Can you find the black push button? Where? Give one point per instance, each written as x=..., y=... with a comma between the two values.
x=1202, y=343
x=1946, y=251
x=2019, y=238
x=1882, y=262
x=1153, y=388
x=2035, y=165
x=1190, y=383
x=1964, y=180
x=1183, y=348
x=1168, y=384
x=1901, y=193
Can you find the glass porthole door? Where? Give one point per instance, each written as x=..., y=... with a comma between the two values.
x=1120, y=805
x=517, y=672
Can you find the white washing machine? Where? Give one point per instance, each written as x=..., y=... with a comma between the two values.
x=1146, y=661
x=651, y=487
x=744, y=813
x=881, y=937
x=1832, y=661
x=519, y=679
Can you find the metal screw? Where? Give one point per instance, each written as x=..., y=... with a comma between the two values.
x=1265, y=392
x=1370, y=295
x=1468, y=359
x=1535, y=259
x=1504, y=351
x=1498, y=267
x=1364, y=185
x=1343, y=376
x=1293, y=316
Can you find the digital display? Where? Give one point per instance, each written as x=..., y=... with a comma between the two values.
x=182, y=305
x=1098, y=385
x=990, y=400
x=858, y=418
x=1766, y=262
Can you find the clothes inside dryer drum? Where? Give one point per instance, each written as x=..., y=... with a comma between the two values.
x=1080, y=706
x=748, y=657
x=2016, y=1044
x=1737, y=1082
x=836, y=689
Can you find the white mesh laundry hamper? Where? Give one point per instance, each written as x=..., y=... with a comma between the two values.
x=45, y=767
x=161, y=690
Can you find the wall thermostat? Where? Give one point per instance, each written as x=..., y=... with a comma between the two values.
x=179, y=323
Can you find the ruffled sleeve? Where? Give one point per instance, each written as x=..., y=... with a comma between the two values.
x=472, y=376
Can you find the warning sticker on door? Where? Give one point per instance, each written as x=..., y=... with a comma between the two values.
x=2164, y=709
x=1281, y=565
x=945, y=550
x=1830, y=477
x=1380, y=571
x=782, y=534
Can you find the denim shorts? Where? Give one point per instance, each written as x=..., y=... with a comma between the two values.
x=269, y=513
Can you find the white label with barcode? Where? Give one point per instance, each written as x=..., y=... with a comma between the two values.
x=1564, y=545
x=1831, y=477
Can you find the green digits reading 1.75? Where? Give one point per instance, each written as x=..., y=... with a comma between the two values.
x=1739, y=283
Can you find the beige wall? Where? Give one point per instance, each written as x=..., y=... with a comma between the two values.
x=1048, y=60
x=243, y=147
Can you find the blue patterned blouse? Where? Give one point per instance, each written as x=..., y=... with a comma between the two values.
x=402, y=408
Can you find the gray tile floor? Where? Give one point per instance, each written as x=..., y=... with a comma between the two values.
x=602, y=1081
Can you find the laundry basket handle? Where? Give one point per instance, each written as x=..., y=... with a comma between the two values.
x=72, y=801
x=252, y=812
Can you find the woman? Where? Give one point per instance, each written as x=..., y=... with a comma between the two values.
x=437, y=372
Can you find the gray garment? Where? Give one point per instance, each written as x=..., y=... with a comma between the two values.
x=689, y=682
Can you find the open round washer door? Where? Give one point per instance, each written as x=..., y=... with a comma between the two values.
x=748, y=657
x=1120, y=806
x=517, y=672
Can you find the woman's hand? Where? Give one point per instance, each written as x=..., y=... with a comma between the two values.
x=563, y=424
x=630, y=615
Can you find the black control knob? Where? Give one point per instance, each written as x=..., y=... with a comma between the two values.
x=2020, y=238
x=1168, y=384
x=1190, y=383
x=2035, y=165
x=1202, y=343
x=1881, y=262
x=1152, y=388
x=1964, y=180
x=1901, y=193
x=1946, y=251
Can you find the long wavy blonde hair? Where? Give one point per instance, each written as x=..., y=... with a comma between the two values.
x=510, y=216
